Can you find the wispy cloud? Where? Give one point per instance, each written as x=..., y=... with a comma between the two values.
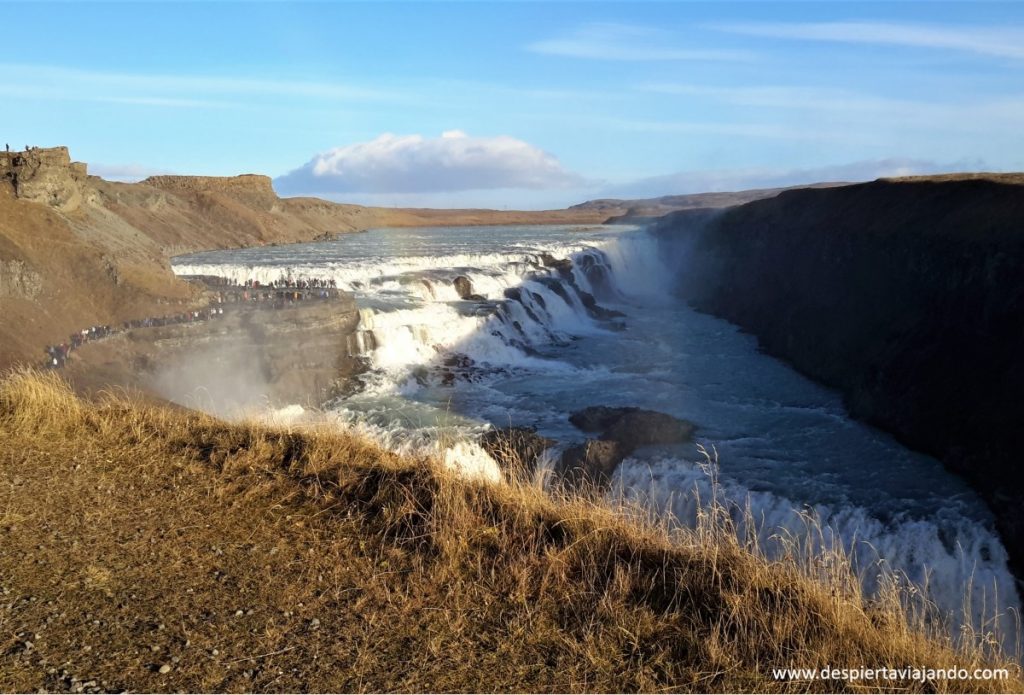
x=756, y=130
x=785, y=97
x=454, y=161
x=626, y=42
x=700, y=181
x=1001, y=42
x=850, y=106
x=187, y=91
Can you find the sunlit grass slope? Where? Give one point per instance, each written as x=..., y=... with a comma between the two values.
x=155, y=549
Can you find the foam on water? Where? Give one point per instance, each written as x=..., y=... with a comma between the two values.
x=539, y=349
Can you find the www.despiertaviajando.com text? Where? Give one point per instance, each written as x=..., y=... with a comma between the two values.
x=904, y=674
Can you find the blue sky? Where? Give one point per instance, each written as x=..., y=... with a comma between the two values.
x=518, y=104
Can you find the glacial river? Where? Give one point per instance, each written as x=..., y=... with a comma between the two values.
x=536, y=353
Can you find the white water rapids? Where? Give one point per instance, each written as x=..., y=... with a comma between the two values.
x=536, y=348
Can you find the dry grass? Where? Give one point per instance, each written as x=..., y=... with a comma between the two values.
x=250, y=559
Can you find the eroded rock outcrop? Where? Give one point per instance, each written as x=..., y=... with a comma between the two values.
x=45, y=175
x=303, y=354
x=243, y=184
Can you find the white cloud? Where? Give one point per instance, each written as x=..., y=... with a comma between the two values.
x=990, y=41
x=626, y=42
x=751, y=178
x=783, y=97
x=416, y=164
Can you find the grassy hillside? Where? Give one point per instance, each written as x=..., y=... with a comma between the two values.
x=153, y=549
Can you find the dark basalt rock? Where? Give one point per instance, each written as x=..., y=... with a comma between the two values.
x=464, y=287
x=456, y=366
x=633, y=427
x=591, y=463
x=622, y=430
x=549, y=261
x=515, y=449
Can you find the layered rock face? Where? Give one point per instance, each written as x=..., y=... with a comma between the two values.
x=243, y=183
x=302, y=354
x=45, y=175
x=906, y=295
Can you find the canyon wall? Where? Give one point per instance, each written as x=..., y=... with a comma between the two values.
x=906, y=295
x=248, y=358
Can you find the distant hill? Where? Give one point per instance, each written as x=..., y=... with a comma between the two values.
x=642, y=209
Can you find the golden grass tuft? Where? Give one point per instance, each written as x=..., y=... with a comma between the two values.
x=154, y=549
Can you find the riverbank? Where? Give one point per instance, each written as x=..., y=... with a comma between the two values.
x=903, y=294
x=182, y=553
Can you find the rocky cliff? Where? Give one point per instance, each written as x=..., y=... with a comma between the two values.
x=250, y=357
x=904, y=294
x=45, y=175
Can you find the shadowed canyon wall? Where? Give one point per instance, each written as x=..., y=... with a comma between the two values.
x=906, y=295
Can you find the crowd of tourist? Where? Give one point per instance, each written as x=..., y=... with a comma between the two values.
x=58, y=354
x=300, y=283
x=277, y=295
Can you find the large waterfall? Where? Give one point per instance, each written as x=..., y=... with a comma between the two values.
x=560, y=318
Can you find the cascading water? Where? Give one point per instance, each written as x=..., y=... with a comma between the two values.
x=545, y=337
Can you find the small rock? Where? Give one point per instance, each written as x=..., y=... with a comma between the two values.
x=591, y=463
x=314, y=624
x=166, y=668
x=515, y=449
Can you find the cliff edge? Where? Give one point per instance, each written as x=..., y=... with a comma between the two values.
x=903, y=294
